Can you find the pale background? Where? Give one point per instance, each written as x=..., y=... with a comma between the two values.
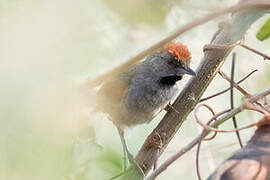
x=47, y=48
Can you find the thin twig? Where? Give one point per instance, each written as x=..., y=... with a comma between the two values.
x=198, y=158
x=208, y=47
x=256, y=108
x=199, y=144
x=255, y=51
x=238, y=43
x=225, y=90
x=231, y=100
x=259, y=4
x=238, y=87
x=214, y=118
x=207, y=127
x=210, y=128
x=195, y=141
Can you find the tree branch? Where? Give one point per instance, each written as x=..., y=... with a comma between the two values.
x=258, y=4
x=212, y=61
x=205, y=132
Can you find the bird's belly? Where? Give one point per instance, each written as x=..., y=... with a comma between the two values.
x=143, y=106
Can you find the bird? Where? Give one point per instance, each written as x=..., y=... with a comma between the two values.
x=252, y=161
x=136, y=95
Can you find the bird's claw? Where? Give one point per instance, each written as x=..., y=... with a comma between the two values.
x=170, y=107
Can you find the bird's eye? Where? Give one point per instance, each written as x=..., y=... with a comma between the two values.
x=175, y=62
x=180, y=63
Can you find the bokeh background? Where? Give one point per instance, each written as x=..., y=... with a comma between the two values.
x=48, y=48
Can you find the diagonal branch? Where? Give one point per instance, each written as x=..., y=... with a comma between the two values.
x=235, y=30
x=238, y=87
x=258, y=4
x=265, y=56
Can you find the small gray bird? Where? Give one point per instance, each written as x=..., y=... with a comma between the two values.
x=137, y=95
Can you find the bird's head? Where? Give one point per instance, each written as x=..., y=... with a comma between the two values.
x=180, y=58
x=176, y=60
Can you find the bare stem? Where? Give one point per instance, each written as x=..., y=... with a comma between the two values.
x=225, y=90
x=238, y=87
x=255, y=51
x=232, y=102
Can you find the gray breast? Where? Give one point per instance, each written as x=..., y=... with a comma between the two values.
x=145, y=98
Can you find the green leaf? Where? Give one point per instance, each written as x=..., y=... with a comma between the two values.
x=133, y=173
x=264, y=31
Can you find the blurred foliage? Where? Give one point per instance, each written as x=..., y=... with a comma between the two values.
x=152, y=12
x=264, y=31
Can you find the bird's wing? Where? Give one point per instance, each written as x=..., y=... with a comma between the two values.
x=113, y=90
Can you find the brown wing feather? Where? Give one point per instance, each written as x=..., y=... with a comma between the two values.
x=111, y=93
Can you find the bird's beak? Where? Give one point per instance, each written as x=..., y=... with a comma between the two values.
x=186, y=70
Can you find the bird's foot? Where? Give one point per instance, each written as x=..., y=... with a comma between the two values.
x=170, y=107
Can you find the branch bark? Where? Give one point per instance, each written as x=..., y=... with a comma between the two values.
x=158, y=140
